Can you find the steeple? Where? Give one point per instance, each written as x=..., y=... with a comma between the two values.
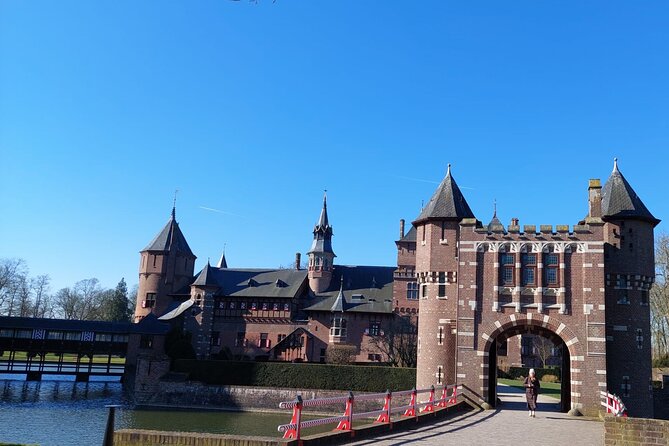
x=170, y=238
x=322, y=231
x=495, y=224
x=321, y=255
x=620, y=201
x=447, y=203
x=339, y=304
x=222, y=263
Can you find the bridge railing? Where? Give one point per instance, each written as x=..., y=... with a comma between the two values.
x=613, y=404
x=293, y=430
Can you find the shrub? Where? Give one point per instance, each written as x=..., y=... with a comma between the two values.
x=550, y=379
x=304, y=376
x=662, y=361
x=340, y=354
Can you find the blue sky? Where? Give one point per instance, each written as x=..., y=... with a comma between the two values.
x=253, y=109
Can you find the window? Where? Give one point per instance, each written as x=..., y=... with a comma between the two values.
x=232, y=305
x=280, y=338
x=215, y=338
x=441, y=290
x=275, y=306
x=423, y=291
x=221, y=305
x=529, y=265
x=265, y=306
x=508, y=269
x=264, y=340
x=440, y=336
x=621, y=281
x=440, y=374
x=103, y=337
x=254, y=306
x=644, y=297
x=240, y=341
x=412, y=290
x=242, y=305
x=639, y=338
x=552, y=264
x=374, y=357
x=338, y=328
x=322, y=358
x=443, y=230
x=146, y=341
x=150, y=300
x=72, y=336
x=625, y=386
x=56, y=335
x=286, y=307
x=374, y=329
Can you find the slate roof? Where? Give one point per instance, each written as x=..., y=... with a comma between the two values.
x=620, y=201
x=367, y=289
x=222, y=263
x=176, y=311
x=169, y=238
x=322, y=232
x=272, y=283
x=495, y=224
x=205, y=277
x=446, y=203
x=409, y=236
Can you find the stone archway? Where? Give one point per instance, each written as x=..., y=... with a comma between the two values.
x=542, y=325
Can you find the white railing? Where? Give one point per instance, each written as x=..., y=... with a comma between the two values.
x=344, y=422
x=613, y=404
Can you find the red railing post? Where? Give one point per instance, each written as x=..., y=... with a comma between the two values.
x=347, y=424
x=454, y=396
x=385, y=416
x=443, y=401
x=430, y=402
x=296, y=418
x=411, y=412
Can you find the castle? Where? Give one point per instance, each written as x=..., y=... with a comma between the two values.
x=474, y=287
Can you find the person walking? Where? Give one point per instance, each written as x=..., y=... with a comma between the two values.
x=532, y=387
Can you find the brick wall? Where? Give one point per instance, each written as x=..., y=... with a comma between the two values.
x=619, y=431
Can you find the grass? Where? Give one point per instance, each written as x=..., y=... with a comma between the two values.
x=548, y=389
x=50, y=357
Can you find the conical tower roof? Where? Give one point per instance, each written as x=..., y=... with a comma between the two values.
x=495, y=224
x=322, y=232
x=447, y=203
x=620, y=201
x=222, y=263
x=170, y=238
x=339, y=305
x=206, y=277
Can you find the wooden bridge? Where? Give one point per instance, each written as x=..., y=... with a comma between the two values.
x=34, y=338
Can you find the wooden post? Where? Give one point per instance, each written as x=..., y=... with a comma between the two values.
x=109, y=430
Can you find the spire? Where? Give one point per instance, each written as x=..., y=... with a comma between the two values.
x=495, y=224
x=174, y=205
x=340, y=302
x=170, y=238
x=620, y=201
x=447, y=203
x=322, y=231
x=222, y=263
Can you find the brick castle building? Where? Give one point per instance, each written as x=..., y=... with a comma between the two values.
x=585, y=287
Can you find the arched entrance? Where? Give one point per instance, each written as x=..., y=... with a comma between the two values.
x=535, y=331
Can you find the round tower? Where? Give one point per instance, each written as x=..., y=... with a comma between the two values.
x=630, y=272
x=437, y=233
x=166, y=267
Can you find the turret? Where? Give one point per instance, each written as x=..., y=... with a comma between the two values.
x=166, y=267
x=630, y=271
x=437, y=233
x=321, y=255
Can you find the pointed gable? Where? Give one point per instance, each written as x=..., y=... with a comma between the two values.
x=446, y=203
x=170, y=238
x=339, y=305
x=620, y=201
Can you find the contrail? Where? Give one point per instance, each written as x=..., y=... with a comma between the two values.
x=219, y=211
x=421, y=180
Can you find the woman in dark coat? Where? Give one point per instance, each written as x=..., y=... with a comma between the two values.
x=532, y=387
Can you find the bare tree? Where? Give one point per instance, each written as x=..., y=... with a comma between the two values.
x=42, y=302
x=543, y=349
x=398, y=342
x=12, y=273
x=659, y=299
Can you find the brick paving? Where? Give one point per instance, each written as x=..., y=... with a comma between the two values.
x=508, y=425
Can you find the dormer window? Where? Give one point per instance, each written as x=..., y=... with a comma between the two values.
x=338, y=328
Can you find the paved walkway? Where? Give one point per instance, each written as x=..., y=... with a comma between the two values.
x=508, y=425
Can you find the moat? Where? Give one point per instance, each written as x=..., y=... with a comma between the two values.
x=56, y=413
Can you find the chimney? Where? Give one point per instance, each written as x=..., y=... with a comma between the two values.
x=298, y=259
x=401, y=228
x=514, y=221
x=595, y=198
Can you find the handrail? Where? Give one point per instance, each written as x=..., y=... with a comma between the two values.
x=614, y=404
x=293, y=429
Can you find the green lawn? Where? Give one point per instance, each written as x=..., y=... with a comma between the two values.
x=22, y=356
x=548, y=389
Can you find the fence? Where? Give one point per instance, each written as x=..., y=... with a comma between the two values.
x=344, y=422
x=614, y=405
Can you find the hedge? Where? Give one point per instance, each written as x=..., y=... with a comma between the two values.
x=517, y=372
x=303, y=376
